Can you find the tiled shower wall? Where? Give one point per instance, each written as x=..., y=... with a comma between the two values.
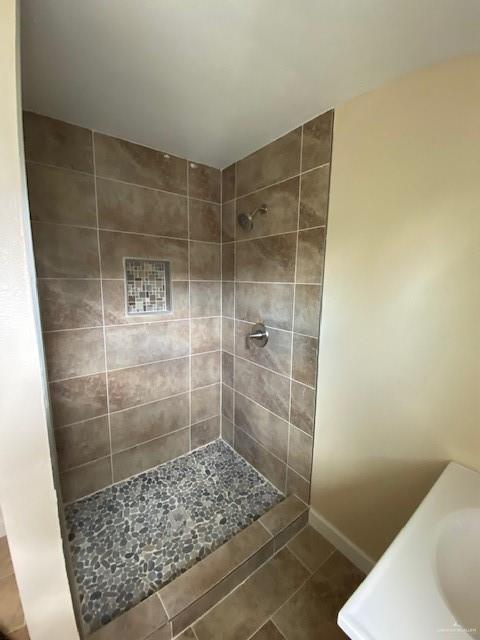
x=273, y=274
x=127, y=393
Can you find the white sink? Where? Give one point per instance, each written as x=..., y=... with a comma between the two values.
x=427, y=583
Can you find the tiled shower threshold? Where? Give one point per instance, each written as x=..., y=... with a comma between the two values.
x=131, y=539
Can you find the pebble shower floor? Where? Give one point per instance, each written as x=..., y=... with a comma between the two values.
x=130, y=539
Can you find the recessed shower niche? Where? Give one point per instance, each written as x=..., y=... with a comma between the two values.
x=147, y=286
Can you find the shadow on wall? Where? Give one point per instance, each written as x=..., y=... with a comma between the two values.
x=405, y=482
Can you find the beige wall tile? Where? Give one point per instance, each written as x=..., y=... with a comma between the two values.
x=130, y=162
x=302, y=407
x=65, y=252
x=228, y=183
x=115, y=246
x=305, y=352
x=228, y=331
x=82, y=442
x=204, y=182
x=227, y=402
x=267, y=429
x=265, y=387
x=115, y=310
x=311, y=253
x=317, y=141
x=227, y=299
x=205, y=223
x=282, y=215
x=269, y=259
x=147, y=455
x=126, y=207
x=148, y=421
x=146, y=383
x=227, y=430
x=78, y=399
x=227, y=368
x=205, y=299
x=300, y=452
x=307, y=308
x=205, y=334
x=205, y=261
x=268, y=303
x=275, y=355
x=298, y=486
x=228, y=261
x=74, y=353
x=87, y=479
x=205, y=402
x=130, y=345
x=61, y=195
x=55, y=142
x=69, y=304
x=205, y=369
x=205, y=431
x=268, y=588
x=269, y=466
x=314, y=197
x=276, y=161
x=228, y=221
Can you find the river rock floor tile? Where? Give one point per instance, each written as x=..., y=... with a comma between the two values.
x=130, y=539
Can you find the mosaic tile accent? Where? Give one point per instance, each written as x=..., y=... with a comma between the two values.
x=130, y=539
x=147, y=286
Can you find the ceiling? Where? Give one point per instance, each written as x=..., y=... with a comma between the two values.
x=213, y=80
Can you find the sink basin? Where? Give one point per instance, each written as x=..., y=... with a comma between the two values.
x=457, y=562
x=427, y=583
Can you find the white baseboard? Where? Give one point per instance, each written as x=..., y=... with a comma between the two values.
x=349, y=549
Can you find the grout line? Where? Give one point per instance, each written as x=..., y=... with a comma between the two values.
x=273, y=184
x=136, y=324
x=221, y=308
x=284, y=463
x=118, y=180
x=103, y=310
x=281, y=233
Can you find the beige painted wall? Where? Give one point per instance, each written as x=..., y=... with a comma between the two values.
x=27, y=492
x=399, y=364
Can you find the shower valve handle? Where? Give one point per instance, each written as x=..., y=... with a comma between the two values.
x=260, y=334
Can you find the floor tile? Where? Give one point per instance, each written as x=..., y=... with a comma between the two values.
x=311, y=548
x=253, y=602
x=11, y=613
x=312, y=612
x=6, y=567
x=283, y=514
x=268, y=632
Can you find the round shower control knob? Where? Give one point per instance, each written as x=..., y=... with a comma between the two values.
x=259, y=334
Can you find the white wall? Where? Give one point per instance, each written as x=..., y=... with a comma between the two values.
x=27, y=492
x=399, y=363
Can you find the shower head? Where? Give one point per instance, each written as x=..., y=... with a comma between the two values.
x=245, y=220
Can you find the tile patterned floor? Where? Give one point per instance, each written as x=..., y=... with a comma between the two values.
x=130, y=539
x=12, y=622
x=294, y=596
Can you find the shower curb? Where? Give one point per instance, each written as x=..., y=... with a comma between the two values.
x=177, y=605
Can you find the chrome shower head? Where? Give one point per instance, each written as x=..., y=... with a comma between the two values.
x=245, y=220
